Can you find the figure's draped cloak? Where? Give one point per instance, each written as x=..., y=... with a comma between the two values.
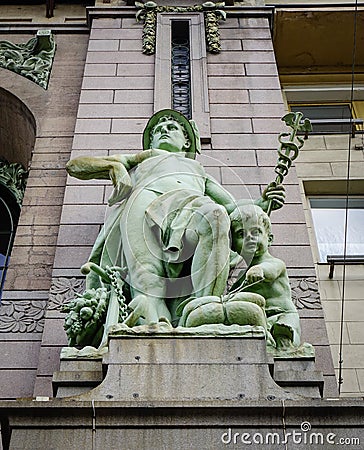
x=171, y=213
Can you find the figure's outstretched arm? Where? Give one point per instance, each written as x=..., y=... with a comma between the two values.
x=103, y=167
x=94, y=167
x=113, y=167
x=220, y=195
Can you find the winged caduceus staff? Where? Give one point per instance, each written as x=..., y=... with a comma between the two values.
x=290, y=145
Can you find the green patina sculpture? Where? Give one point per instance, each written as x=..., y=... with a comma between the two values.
x=168, y=242
x=14, y=177
x=261, y=296
x=290, y=145
x=171, y=229
x=91, y=314
x=265, y=275
x=85, y=318
x=235, y=307
x=33, y=59
x=213, y=13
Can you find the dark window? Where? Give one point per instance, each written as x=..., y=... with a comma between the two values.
x=181, y=68
x=9, y=214
x=327, y=118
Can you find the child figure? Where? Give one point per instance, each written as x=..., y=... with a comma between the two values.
x=266, y=275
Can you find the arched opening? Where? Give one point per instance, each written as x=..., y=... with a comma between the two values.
x=17, y=129
x=17, y=138
x=9, y=213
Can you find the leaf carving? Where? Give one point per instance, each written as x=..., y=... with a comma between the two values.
x=63, y=290
x=24, y=316
x=305, y=293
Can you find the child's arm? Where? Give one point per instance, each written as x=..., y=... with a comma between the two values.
x=268, y=270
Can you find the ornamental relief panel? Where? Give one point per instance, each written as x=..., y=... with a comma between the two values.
x=22, y=316
x=27, y=316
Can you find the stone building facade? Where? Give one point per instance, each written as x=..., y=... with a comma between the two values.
x=323, y=70
x=102, y=90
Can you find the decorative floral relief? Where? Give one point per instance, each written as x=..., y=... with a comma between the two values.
x=14, y=177
x=305, y=293
x=22, y=316
x=27, y=316
x=32, y=60
x=63, y=290
x=213, y=13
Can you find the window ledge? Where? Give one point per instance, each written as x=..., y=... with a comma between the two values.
x=343, y=260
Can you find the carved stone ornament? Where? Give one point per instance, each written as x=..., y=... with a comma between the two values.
x=305, y=293
x=64, y=290
x=22, y=316
x=213, y=12
x=32, y=60
x=14, y=177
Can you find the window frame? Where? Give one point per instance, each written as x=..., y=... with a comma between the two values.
x=328, y=125
x=337, y=197
x=200, y=107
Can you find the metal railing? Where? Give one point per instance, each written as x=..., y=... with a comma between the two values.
x=351, y=123
x=343, y=260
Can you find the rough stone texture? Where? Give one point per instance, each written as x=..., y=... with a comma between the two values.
x=208, y=425
x=198, y=368
x=47, y=175
x=28, y=278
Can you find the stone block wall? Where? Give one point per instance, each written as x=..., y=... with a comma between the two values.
x=246, y=109
x=29, y=277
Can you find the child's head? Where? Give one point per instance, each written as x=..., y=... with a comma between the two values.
x=251, y=230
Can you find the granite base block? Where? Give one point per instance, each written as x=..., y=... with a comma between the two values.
x=214, y=425
x=184, y=368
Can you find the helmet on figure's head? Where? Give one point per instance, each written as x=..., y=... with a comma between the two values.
x=189, y=127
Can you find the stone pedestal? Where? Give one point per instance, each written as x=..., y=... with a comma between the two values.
x=299, y=376
x=196, y=369
x=77, y=376
x=184, y=392
x=168, y=368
